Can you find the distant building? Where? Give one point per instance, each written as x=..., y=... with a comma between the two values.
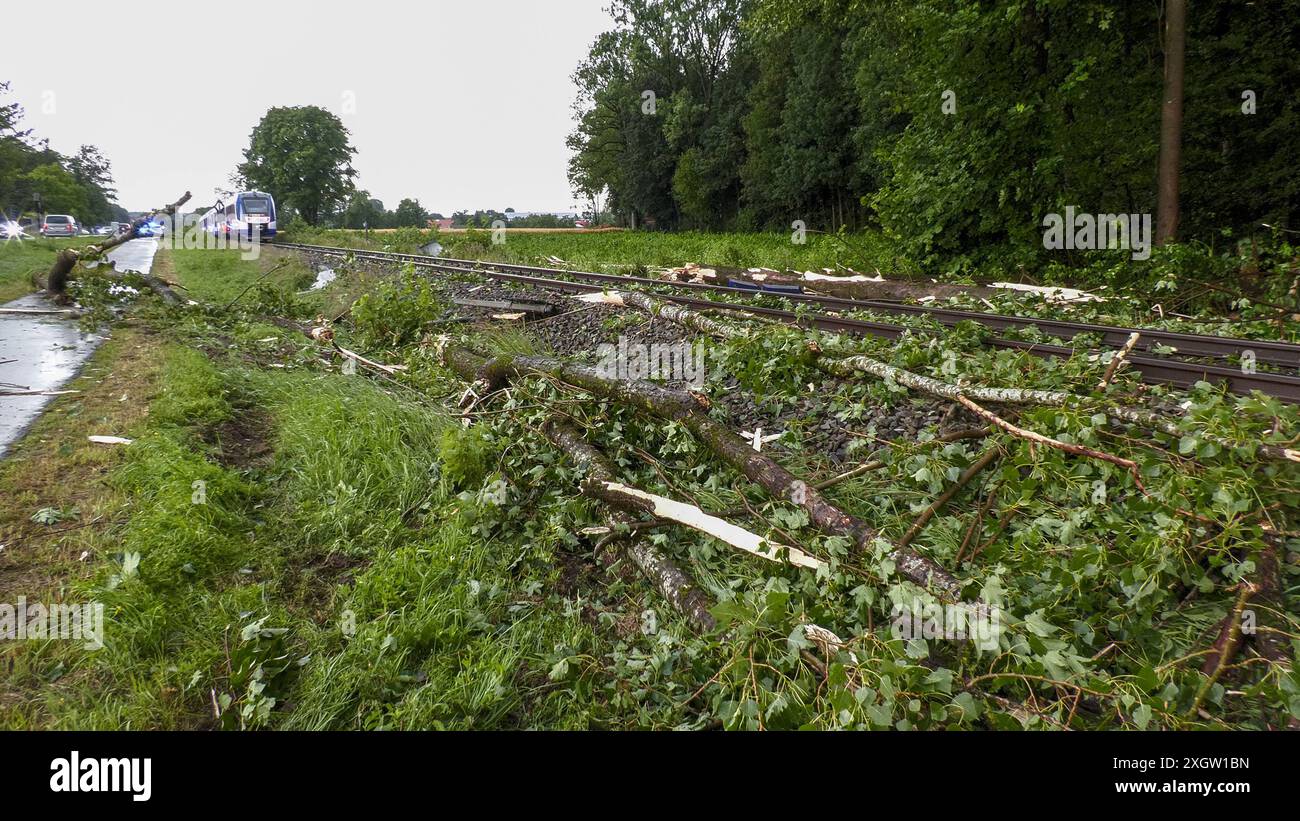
x=441, y=225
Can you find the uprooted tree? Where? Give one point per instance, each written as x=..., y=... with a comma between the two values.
x=56, y=281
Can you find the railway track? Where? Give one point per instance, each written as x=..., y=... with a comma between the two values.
x=1155, y=368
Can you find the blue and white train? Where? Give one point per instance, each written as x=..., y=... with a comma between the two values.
x=242, y=215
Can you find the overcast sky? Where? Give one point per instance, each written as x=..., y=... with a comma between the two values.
x=462, y=105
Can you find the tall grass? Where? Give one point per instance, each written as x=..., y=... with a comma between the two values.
x=348, y=580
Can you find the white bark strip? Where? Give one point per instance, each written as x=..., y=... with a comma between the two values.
x=109, y=440
x=391, y=370
x=1005, y=396
x=849, y=366
x=692, y=517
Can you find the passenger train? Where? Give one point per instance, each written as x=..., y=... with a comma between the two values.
x=242, y=215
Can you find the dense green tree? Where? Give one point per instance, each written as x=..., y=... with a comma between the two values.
x=954, y=127
x=59, y=190
x=94, y=173
x=32, y=174
x=660, y=113
x=410, y=213
x=300, y=155
x=363, y=211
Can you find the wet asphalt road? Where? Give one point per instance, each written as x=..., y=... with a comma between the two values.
x=45, y=352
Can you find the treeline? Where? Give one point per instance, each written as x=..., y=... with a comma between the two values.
x=953, y=127
x=36, y=179
x=485, y=219
x=364, y=211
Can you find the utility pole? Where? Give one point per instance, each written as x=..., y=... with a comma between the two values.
x=1171, y=123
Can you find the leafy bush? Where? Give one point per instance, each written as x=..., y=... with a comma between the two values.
x=397, y=312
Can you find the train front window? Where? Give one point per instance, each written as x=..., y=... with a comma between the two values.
x=255, y=205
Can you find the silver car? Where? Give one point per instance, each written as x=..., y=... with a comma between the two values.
x=59, y=225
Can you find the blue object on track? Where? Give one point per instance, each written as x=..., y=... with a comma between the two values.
x=783, y=289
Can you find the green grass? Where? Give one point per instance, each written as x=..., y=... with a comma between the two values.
x=864, y=251
x=356, y=561
x=20, y=260
x=219, y=275
x=348, y=572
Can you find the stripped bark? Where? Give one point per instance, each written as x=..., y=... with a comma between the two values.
x=851, y=366
x=678, y=588
x=1040, y=439
x=1118, y=360
x=663, y=508
x=391, y=370
x=690, y=410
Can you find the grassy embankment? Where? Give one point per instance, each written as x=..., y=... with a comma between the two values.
x=19, y=261
x=350, y=559
x=1181, y=288
x=630, y=248
x=277, y=547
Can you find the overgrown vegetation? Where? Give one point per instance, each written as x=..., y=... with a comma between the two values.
x=290, y=546
x=953, y=128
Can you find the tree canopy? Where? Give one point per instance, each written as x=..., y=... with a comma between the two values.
x=35, y=177
x=951, y=127
x=301, y=155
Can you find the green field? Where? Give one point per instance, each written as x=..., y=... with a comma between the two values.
x=211, y=275
x=865, y=251
x=20, y=260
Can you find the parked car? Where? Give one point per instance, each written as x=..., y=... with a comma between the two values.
x=11, y=230
x=105, y=230
x=59, y=225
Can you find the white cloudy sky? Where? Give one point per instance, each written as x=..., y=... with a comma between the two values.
x=459, y=104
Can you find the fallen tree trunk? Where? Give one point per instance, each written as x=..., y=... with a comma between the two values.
x=679, y=589
x=601, y=483
x=891, y=289
x=690, y=411
x=56, y=281
x=162, y=289
x=848, y=367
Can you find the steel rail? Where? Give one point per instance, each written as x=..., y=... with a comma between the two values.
x=1154, y=369
x=1202, y=346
